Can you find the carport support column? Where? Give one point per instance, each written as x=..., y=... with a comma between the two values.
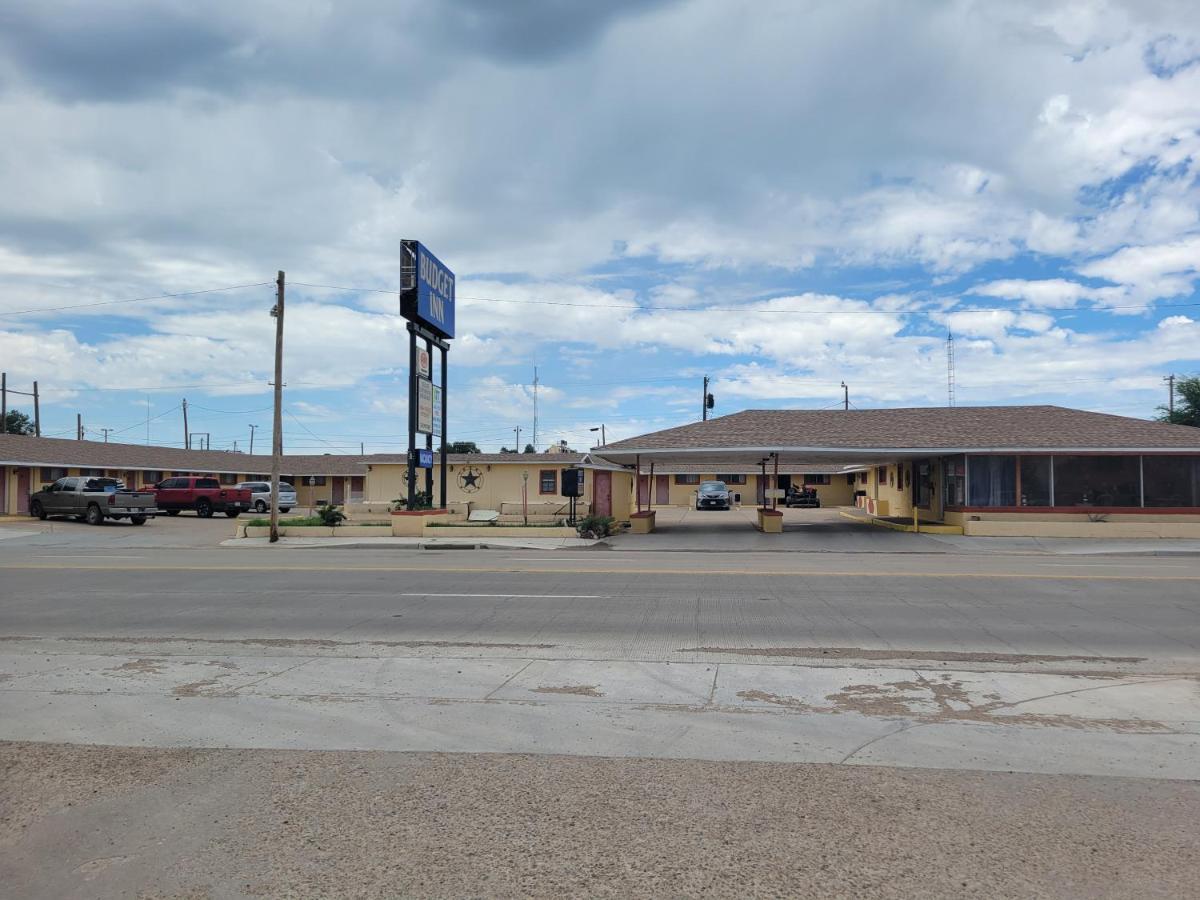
x=775, y=485
x=650, y=489
x=637, y=480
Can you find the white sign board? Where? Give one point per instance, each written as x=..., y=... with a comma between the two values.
x=422, y=362
x=424, y=406
x=775, y=493
x=437, y=411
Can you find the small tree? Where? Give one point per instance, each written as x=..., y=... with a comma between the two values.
x=16, y=422
x=462, y=447
x=1187, y=404
x=529, y=449
x=506, y=450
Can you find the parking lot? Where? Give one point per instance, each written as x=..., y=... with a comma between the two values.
x=184, y=530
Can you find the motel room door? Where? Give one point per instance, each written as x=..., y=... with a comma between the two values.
x=602, y=493
x=339, y=491
x=24, y=478
x=662, y=489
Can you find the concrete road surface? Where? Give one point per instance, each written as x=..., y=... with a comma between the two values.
x=208, y=722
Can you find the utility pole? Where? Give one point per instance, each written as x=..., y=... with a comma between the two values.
x=3, y=403
x=37, y=413
x=535, y=410
x=845, y=397
x=252, y=427
x=518, y=431
x=106, y=431
x=1170, y=380
x=79, y=426
x=187, y=435
x=277, y=435
x=704, y=402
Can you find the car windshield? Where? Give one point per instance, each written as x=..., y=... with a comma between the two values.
x=712, y=485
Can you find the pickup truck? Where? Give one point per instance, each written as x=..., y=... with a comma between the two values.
x=205, y=495
x=93, y=500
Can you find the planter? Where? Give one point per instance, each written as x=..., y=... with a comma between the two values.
x=770, y=521
x=641, y=522
x=411, y=522
x=496, y=531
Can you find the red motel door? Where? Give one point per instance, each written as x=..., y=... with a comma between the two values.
x=23, y=480
x=602, y=493
x=662, y=489
x=339, y=491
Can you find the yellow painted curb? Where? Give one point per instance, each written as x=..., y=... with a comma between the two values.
x=926, y=527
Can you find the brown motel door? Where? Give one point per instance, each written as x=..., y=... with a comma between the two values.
x=602, y=488
x=339, y=491
x=23, y=481
x=662, y=489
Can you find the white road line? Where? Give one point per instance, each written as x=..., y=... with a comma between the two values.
x=1093, y=565
x=520, y=596
x=88, y=558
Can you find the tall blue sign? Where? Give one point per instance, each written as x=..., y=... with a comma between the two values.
x=427, y=296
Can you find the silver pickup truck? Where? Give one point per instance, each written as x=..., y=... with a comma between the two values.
x=93, y=500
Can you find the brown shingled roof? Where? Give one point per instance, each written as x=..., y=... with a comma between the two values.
x=980, y=428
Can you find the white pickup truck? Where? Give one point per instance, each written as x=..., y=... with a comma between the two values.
x=93, y=500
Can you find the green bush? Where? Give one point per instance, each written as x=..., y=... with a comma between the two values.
x=423, y=501
x=596, y=526
x=330, y=515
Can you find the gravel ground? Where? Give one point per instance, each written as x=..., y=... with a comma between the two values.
x=84, y=821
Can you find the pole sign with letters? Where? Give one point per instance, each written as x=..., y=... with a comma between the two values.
x=427, y=289
x=424, y=406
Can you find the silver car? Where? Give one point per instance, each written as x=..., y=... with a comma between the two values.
x=260, y=500
x=712, y=495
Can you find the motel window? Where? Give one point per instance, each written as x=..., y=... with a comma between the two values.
x=1035, y=481
x=687, y=479
x=152, y=477
x=229, y=478
x=992, y=481
x=1096, y=481
x=862, y=477
x=91, y=473
x=732, y=479
x=881, y=474
x=924, y=483
x=548, y=481
x=1171, y=480
x=816, y=477
x=954, y=481
x=52, y=474
x=314, y=480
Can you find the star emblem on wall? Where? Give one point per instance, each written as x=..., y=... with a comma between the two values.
x=470, y=479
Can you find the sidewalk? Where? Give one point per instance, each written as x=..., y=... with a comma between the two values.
x=415, y=543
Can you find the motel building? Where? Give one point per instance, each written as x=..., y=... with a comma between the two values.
x=1000, y=470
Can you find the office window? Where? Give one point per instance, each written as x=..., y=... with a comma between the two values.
x=1035, y=481
x=687, y=479
x=993, y=481
x=1171, y=480
x=1096, y=481
x=152, y=477
x=51, y=474
x=732, y=479
x=229, y=478
x=548, y=481
x=954, y=481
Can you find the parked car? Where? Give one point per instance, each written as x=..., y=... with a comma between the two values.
x=712, y=495
x=92, y=500
x=260, y=495
x=204, y=495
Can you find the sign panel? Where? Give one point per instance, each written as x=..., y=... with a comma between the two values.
x=425, y=406
x=424, y=459
x=427, y=290
x=422, y=362
x=437, y=411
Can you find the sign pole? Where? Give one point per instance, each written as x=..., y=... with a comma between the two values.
x=442, y=476
x=412, y=417
x=429, y=434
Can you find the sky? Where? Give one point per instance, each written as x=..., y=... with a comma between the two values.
x=783, y=196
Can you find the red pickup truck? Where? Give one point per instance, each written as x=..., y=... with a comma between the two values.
x=205, y=495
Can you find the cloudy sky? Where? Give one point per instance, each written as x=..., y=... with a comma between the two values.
x=780, y=195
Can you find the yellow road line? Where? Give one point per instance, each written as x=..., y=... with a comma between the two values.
x=730, y=573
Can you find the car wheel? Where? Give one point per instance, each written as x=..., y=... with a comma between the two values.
x=260, y=507
x=285, y=509
x=137, y=520
x=36, y=509
x=233, y=513
x=172, y=512
x=94, y=516
x=204, y=508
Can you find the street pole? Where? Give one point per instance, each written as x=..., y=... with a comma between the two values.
x=517, y=448
x=1170, y=380
x=704, y=402
x=187, y=435
x=3, y=403
x=106, y=431
x=845, y=397
x=252, y=427
x=37, y=413
x=277, y=430
x=79, y=426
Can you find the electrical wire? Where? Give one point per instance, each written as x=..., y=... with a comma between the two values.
x=174, y=296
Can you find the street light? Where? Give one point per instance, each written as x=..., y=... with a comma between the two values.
x=603, y=440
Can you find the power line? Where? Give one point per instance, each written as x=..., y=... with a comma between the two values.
x=45, y=309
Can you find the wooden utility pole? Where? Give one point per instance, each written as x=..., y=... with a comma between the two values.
x=187, y=435
x=79, y=426
x=3, y=403
x=252, y=429
x=845, y=397
x=106, y=431
x=518, y=445
x=37, y=413
x=704, y=402
x=277, y=429
x=1170, y=380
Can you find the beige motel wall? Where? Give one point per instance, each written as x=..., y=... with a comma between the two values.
x=498, y=485
x=675, y=489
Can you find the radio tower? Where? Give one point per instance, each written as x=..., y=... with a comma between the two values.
x=535, y=409
x=950, y=368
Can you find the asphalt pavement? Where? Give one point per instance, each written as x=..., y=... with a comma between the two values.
x=500, y=716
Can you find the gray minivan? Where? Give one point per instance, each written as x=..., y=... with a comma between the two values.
x=260, y=500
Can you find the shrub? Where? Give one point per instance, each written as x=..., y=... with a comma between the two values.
x=330, y=515
x=596, y=526
x=423, y=501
